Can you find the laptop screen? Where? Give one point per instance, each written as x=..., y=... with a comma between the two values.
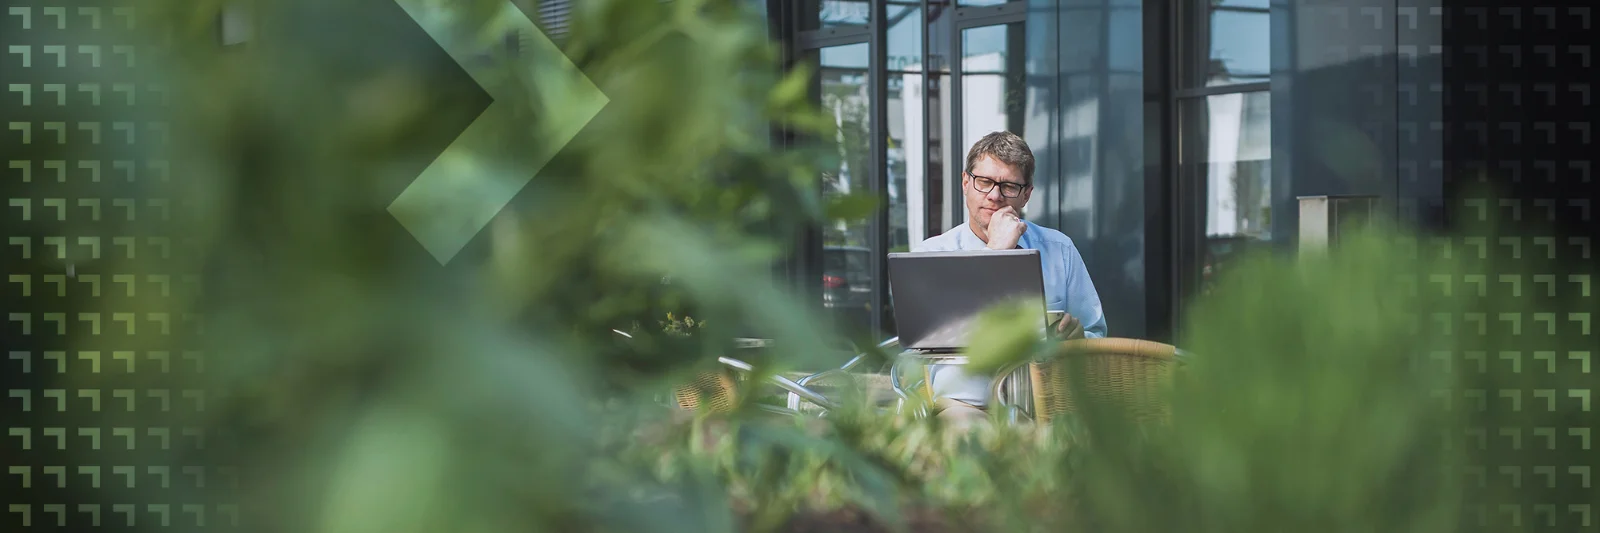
x=938, y=295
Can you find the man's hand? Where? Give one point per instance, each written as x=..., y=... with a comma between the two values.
x=1005, y=229
x=1069, y=328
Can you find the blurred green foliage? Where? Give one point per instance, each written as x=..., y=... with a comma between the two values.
x=370, y=389
x=381, y=391
x=1329, y=392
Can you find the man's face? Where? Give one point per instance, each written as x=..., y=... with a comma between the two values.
x=997, y=177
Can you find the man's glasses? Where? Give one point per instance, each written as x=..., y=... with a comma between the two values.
x=1007, y=189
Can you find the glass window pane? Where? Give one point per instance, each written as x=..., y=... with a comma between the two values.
x=905, y=155
x=906, y=158
x=993, y=86
x=818, y=14
x=1228, y=43
x=1227, y=159
x=847, y=282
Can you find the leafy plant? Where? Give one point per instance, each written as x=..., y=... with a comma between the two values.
x=1317, y=398
x=685, y=326
x=378, y=390
x=369, y=388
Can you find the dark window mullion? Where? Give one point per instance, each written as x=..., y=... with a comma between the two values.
x=967, y=17
x=1201, y=92
x=1173, y=68
x=877, y=108
x=956, y=162
x=930, y=218
x=979, y=22
x=831, y=37
x=1242, y=9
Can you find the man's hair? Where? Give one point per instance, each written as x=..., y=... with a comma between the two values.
x=1005, y=147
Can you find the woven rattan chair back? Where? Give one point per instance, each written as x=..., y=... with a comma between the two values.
x=1125, y=374
x=714, y=390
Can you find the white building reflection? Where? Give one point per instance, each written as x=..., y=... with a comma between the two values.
x=1239, y=170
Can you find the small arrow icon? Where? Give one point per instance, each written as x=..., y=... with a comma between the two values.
x=484, y=168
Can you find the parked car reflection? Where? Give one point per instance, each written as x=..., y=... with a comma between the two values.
x=847, y=286
x=846, y=277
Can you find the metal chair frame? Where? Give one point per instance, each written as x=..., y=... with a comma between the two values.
x=796, y=392
x=1011, y=388
x=795, y=396
x=999, y=388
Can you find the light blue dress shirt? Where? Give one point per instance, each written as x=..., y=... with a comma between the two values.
x=1067, y=287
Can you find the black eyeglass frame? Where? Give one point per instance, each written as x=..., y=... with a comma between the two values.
x=976, y=179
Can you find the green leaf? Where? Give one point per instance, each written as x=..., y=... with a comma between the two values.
x=852, y=207
x=1005, y=334
x=793, y=88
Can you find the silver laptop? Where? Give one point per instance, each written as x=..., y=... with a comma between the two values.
x=938, y=295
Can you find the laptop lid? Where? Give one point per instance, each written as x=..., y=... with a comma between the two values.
x=938, y=295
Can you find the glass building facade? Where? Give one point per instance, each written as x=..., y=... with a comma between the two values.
x=1170, y=137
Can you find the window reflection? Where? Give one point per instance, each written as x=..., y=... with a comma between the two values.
x=819, y=14
x=1228, y=156
x=905, y=154
x=993, y=85
x=1231, y=41
x=847, y=281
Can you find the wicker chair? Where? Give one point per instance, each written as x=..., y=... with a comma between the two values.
x=714, y=390
x=1125, y=374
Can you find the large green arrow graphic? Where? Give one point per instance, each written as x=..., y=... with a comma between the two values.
x=484, y=168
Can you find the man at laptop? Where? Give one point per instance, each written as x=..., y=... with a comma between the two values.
x=997, y=183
